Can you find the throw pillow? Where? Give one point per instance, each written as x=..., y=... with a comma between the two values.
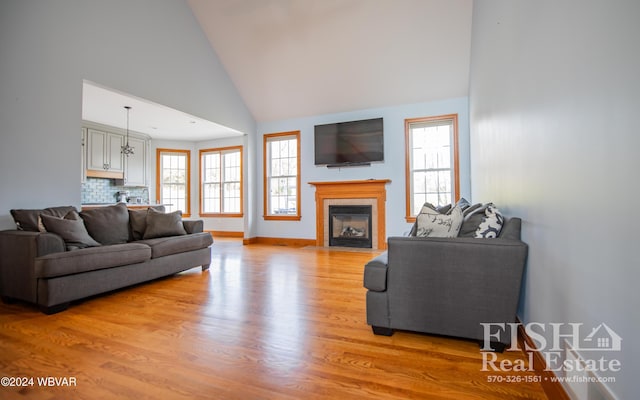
x=29, y=220
x=472, y=218
x=463, y=203
x=425, y=206
x=138, y=221
x=107, y=225
x=433, y=224
x=161, y=225
x=491, y=225
x=71, y=229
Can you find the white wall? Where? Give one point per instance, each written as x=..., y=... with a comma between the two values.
x=153, y=49
x=554, y=136
x=392, y=168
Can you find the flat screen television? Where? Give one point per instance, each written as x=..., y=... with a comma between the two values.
x=349, y=143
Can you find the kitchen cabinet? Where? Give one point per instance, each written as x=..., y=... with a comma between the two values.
x=135, y=165
x=104, y=159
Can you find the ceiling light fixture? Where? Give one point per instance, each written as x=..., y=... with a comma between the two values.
x=126, y=149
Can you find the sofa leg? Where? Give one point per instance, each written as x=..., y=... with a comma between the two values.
x=8, y=300
x=205, y=267
x=54, y=309
x=382, y=331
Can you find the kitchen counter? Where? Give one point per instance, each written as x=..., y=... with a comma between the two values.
x=133, y=206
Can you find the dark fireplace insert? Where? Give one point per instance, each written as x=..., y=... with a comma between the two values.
x=350, y=226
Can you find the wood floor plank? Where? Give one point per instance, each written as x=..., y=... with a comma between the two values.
x=265, y=322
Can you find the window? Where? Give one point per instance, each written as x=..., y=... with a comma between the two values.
x=431, y=162
x=282, y=176
x=172, y=179
x=221, y=182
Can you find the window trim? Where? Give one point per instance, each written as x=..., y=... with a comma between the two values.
x=201, y=183
x=456, y=159
x=265, y=188
x=159, y=151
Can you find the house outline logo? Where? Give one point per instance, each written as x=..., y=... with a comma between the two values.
x=602, y=338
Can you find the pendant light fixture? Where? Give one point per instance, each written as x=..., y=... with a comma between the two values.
x=126, y=149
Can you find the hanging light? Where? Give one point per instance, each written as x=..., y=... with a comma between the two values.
x=126, y=149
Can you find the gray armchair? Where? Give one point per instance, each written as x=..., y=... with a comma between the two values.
x=447, y=286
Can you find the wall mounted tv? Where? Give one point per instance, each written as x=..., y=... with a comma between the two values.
x=349, y=143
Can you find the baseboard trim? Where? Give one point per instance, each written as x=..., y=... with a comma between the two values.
x=280, y=241
x=551, y=386
x=231, y=234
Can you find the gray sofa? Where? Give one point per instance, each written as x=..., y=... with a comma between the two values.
x=125, y=247
x=447, y=286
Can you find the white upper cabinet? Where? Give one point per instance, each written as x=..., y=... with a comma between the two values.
x=83, y=155
x=104, y=159
x=135, y=171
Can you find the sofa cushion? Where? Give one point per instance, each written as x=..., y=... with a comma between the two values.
x=165, y=246
x=163, y=224
x=107, y=225
x=91, y=259
x=431, y=223
x=71, y=229
x=138, y=221
x=29, y=220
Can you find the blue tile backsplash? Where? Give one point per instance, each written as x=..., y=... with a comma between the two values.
x=99, y=190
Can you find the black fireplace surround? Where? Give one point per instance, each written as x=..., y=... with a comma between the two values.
x=350, y=226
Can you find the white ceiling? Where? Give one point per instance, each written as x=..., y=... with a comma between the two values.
x=293, y=58
x=106, y=106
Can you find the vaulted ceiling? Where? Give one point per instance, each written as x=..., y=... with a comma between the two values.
x=294, y=58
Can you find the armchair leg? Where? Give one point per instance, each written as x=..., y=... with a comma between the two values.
x=7, y=300
x=382, y=331
x=54, y=309
x=495, y=346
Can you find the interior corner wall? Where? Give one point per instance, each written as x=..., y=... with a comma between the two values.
x=153, y=49
x=554, y=139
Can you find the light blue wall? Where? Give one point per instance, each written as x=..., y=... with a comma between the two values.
x=392, y=168
x=152, y=49
x=554, y=135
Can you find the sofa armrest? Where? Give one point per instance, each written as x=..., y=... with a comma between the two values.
x=18, y=251
x=375, y=273
x=193, y=225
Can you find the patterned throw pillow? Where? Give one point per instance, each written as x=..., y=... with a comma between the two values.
x=431, y=223
x=491, y=224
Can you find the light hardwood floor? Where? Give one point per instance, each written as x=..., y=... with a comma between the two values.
x=265, y=322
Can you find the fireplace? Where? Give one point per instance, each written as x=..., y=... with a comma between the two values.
x=370, y=192
x=350, y=226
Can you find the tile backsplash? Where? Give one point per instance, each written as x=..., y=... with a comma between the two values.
x=99, y=190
